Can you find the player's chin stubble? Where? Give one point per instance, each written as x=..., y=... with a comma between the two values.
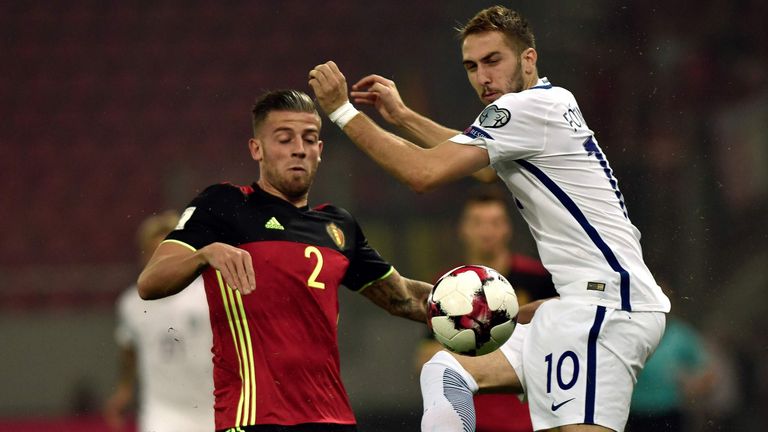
x=296, y=185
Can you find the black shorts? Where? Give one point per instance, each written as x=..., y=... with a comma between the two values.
x=304, y=427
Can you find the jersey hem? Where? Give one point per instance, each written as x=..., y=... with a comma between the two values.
x=614, y=304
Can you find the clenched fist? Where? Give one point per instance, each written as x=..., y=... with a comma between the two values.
x=329, y=85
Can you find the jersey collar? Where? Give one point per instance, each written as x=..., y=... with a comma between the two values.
x=542, y=83
x=264, y=195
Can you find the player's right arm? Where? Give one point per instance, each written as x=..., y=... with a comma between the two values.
x=382, y=94
x=420, y=169
x=174, y=266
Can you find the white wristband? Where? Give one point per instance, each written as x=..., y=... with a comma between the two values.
x=343, y=114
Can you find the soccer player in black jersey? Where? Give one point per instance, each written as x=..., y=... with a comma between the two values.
x=272, y=266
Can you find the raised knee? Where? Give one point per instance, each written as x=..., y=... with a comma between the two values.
x=441, y=359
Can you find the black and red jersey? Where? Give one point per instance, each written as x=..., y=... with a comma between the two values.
x=529, y=278
x=276, y=358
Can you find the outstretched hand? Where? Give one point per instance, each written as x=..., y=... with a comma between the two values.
x=382, y=94
x=329, y=85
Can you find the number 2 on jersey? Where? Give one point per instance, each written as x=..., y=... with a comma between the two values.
x=312, y=282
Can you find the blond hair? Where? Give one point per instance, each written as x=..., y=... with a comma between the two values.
x=158, y=225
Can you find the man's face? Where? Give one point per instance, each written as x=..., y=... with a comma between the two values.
x=485, y=228
x=288, y=149
x=493, y=67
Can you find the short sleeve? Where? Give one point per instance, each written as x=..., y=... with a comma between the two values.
x=514, y=127
x=366, y=265
x=125, y=331
x=208, y=217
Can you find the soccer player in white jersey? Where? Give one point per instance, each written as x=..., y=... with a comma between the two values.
x=165, y=348
x=578, y=359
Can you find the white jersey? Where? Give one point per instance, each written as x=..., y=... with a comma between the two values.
x=173, y=339
x=541, y=147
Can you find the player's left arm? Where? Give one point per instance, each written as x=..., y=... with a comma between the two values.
x=400, y=296
x=419, y=168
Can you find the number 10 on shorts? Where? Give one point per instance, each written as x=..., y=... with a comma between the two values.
x=568, y=356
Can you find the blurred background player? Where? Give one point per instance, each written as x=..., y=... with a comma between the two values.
x=485, y=231
x=272, y=267
x=678, y=374
x=165, y=351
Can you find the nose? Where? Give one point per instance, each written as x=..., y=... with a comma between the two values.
x=299, y=150
x=483, y=77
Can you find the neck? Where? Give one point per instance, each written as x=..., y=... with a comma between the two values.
x=531, y=81
x=299, y=201
x=498, y=260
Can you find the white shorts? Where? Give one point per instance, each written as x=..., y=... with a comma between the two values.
x=578, y=363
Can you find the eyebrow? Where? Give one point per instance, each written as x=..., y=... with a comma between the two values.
x=490, y=55
x=484, y=58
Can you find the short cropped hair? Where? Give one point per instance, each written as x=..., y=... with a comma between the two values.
x=281, y=100
x=487, y=196
x=499, y=18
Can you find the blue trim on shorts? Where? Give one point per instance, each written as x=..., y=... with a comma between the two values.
x=589, y=406
x=577, y=214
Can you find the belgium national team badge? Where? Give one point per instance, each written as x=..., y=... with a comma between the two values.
x=337, y=235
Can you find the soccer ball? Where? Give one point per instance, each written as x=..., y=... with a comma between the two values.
x=472, y=310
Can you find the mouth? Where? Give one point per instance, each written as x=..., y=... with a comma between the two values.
x=297, y=169
x=490, y=95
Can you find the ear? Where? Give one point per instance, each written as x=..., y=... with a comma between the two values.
x=528, y=60
x=319, y=149
x=255, y=146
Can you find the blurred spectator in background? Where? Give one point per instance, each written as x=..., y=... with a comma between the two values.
x=677, y=374
x=165, y=351
x=718, y=411
x=485, y=231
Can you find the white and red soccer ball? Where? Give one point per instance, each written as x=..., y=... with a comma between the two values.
x=472, y=310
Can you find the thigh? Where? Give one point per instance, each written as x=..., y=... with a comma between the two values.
x=499, y=371
x=581, y=363
x=492, y=372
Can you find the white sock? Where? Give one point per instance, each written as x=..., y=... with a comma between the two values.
x=447, y=389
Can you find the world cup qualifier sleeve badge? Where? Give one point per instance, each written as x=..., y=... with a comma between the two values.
x=494, y=117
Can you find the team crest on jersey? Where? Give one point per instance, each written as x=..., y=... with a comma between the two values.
x=337, y=235
x=494, y=117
